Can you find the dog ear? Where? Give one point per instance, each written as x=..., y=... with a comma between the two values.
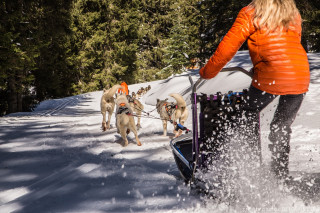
x=158, y=100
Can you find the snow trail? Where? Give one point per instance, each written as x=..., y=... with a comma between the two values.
x=57, y=159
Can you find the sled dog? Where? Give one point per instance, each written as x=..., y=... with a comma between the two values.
x=107, y=105
x=172, y=112
x=133, y=95
x=124, y=119
x=140, y=92
x=137, y=108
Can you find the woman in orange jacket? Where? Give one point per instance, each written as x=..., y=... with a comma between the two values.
x=272, y=29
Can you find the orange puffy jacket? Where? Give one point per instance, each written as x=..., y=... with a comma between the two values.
x=125, y=90
x=280, y=63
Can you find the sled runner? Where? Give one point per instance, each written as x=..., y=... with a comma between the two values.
x=204, y=145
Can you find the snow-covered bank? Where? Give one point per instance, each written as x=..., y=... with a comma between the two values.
x=57, y=159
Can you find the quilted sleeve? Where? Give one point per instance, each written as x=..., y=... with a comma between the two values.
x=229, y=45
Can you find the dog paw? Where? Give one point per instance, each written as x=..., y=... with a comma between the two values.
x=104, y=126
x=178, y=133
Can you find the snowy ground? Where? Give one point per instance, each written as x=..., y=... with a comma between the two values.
x=57, y=159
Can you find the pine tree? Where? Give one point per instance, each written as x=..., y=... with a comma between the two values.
x=154, y=30
x=217, y=17
x=124, y=39
x=310, y=13
x=176, y=52
x=52, y=49
x=105, y=43
x=17, y=55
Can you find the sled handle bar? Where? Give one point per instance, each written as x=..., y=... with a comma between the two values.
x=248, y=73
x=228, y=69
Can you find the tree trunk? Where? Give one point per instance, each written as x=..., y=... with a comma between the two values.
x=12, y=95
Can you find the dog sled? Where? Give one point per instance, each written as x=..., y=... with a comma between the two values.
x=195, y=150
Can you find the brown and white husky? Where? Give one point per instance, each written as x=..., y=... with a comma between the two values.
x=173, y=112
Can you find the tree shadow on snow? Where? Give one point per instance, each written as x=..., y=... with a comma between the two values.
x=48, y=168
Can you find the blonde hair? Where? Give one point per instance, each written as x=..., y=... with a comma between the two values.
x=274, y=15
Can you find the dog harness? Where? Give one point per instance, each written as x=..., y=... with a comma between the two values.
x=170, y=108
x=123, y=109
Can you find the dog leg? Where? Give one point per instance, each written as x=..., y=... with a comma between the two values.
x=138, y=126
x=136, y=135
x=178, y=133
x=104, y=126
x=123, y=133
x=139, y=117
x=104, y=123
x=174, y=128
x=109, y=119
x=138, y=113
x=164, y=123
x=184, y=117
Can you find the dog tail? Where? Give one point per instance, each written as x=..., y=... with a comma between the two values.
x=179, y=99
x=113, y=90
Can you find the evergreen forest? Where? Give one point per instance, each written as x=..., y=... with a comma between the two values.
x=54, y=49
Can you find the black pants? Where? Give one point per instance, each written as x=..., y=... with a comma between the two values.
x=280, y=127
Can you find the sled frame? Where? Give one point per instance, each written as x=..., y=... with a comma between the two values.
x=196, y=155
